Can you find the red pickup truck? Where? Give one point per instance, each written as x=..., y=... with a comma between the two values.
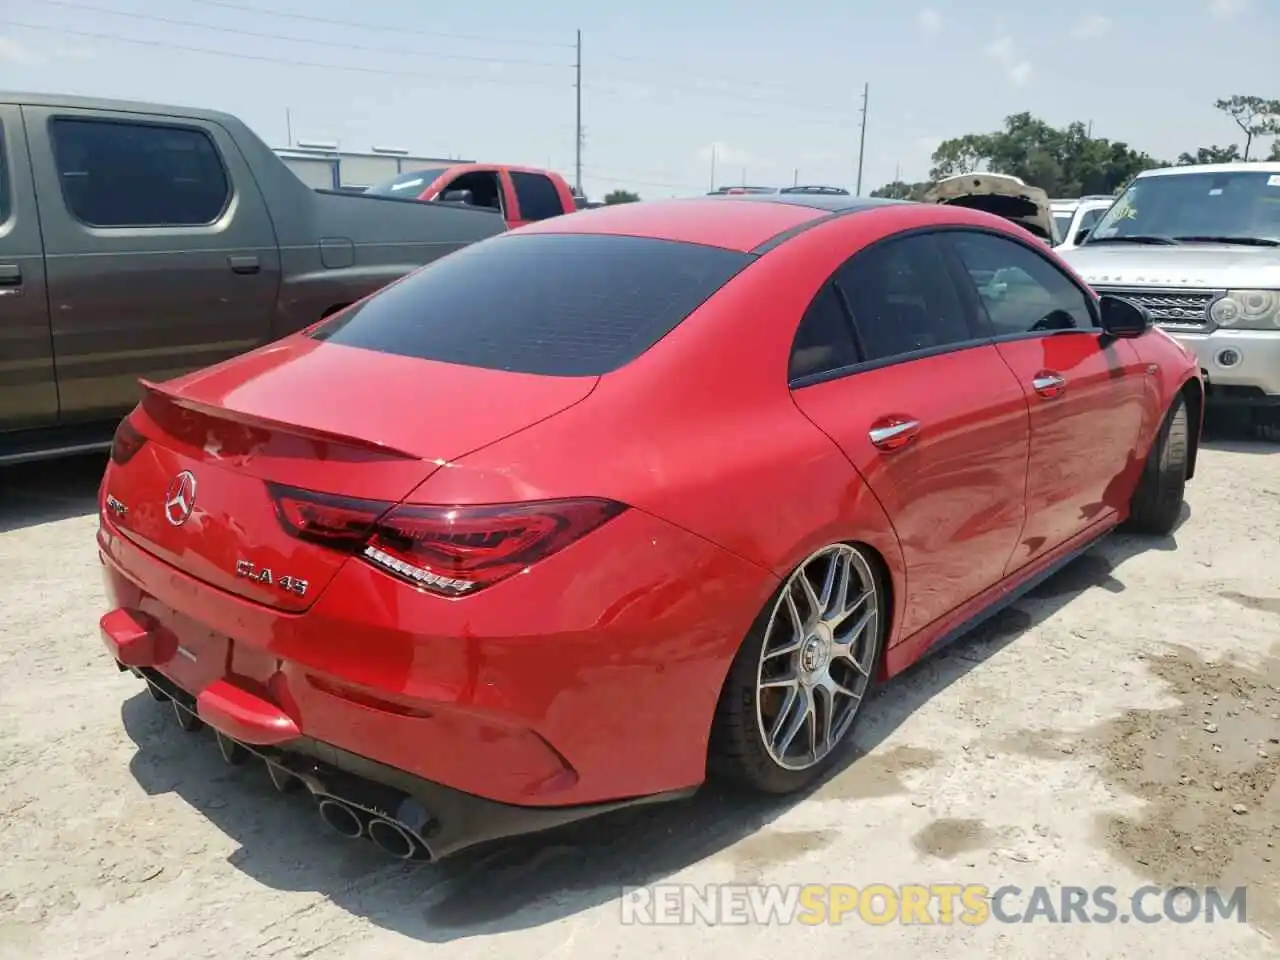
x=521, y=194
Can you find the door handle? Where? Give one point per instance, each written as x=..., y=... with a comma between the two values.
x=893, y=433
x=1049, y=384
x=10, y=275
x=244, y=264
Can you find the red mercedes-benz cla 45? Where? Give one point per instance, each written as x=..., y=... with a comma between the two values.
x=575, y=515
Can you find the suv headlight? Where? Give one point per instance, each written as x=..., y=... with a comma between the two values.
x=1247, y=310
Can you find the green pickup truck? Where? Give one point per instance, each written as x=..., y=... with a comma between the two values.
x=146, y=241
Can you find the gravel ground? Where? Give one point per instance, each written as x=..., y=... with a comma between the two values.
x=1118, y=727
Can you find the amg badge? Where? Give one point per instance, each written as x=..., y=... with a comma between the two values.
x=264, y=576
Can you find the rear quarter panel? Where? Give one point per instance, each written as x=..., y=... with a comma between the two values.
x=1175, y=367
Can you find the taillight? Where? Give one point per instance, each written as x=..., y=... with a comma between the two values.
x=343, y=523
x=450, y=551
x=126, y=443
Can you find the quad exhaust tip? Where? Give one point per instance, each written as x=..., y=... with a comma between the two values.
x=389, y=836
x=393, y=839
x=342, y=818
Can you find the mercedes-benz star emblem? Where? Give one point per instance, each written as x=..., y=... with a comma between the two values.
x=181, y=498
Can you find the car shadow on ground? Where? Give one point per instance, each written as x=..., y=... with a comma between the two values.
x=47, y=491
x=1232, y=432
x=528, y=882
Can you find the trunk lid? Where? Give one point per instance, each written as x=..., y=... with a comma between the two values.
x=322, y=417
x=1002, y=195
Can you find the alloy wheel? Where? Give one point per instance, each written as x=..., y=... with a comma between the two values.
x=818, y=653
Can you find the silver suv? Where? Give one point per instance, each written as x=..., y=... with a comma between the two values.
x=1199, y=247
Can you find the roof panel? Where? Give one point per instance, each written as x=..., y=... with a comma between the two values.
x=713, y=221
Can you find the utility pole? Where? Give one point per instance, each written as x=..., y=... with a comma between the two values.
x=862, y=137
x=577, y=178
x=795, y=177
x=288, y=125
x=712, y=188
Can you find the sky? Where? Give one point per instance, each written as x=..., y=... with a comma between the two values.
x=774, y=90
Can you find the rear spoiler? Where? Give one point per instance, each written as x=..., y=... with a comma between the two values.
x=169, y=398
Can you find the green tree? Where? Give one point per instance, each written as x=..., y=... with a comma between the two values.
x=901, y=190
x=1214, y=154
x=1275, y=150
x=1064, y=162
x=961, y=155
x=620, y=196
x=1255, y=116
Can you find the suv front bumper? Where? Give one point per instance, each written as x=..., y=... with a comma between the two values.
x=1240, y=366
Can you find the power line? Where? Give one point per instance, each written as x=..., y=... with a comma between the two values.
x=684, y=90
x=684, y=68
x=340, y=45
x=355, y=24
x=378, y=71
x=637, y=181
x=725, y=94
x=827, y=120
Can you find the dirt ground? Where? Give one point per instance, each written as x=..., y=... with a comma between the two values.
x=1120, y=726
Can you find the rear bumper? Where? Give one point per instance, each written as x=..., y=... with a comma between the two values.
x=587, y=682
x=1240, y=366
x=442, y=820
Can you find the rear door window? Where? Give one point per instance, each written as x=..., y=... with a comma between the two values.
x=537, y=195
x=552, y=304
x=824, y=340
x=118, y=174
x=902, y=299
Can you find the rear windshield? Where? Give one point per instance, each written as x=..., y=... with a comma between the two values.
x=568, y=305
x=408, y=185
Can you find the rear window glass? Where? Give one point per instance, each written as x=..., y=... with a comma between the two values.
x=407, y=185
x=569, y=305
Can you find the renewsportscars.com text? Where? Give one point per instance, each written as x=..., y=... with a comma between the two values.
x=925, y=904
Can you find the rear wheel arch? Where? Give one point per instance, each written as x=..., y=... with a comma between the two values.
x=731, y=747
x=1192, y=392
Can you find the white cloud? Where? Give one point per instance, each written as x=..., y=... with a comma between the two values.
x=819, y=156
x=16, y=52
x=1227, y=9
x=1003, y=52
x=1094, y=25
x=632, y=91
x=929, y=20
x=1020, y=73
x=11, y=51
x=1000, y=50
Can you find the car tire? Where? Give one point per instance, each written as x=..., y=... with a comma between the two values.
x=1157, y=502
x=829, y=641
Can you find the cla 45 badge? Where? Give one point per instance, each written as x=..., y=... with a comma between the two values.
x=264, y=576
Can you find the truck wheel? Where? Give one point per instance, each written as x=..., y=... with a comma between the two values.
x=799, y=680
x=1157, y=501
